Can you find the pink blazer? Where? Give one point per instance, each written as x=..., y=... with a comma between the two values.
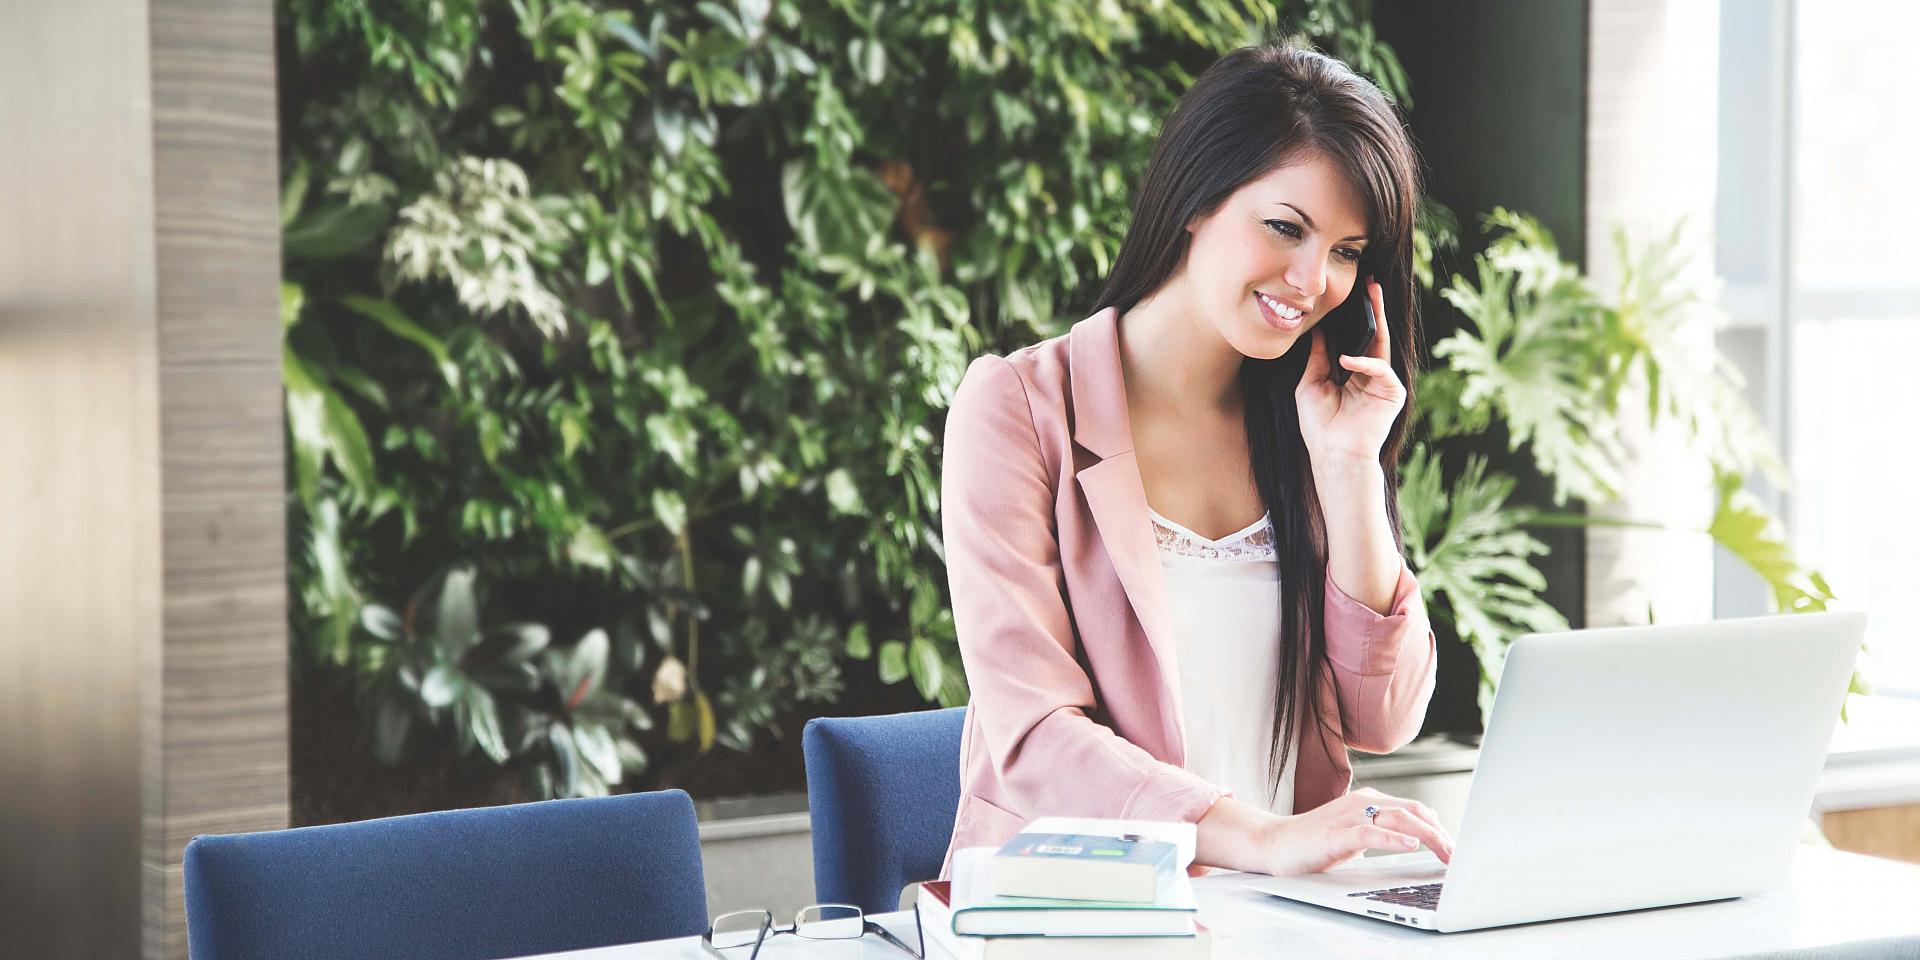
x=1063, y=621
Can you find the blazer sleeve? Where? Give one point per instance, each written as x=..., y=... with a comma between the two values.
x=1030, y=694
x=1383, y=666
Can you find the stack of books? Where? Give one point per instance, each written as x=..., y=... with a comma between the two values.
x=1069, y=888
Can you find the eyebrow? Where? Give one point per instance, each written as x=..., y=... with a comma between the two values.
x=1309, y=220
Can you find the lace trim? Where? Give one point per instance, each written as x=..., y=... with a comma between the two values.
x=1255, y=542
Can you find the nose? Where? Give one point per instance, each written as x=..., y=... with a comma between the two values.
x=1307, y=275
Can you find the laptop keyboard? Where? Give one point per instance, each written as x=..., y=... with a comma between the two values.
x=1425, y=896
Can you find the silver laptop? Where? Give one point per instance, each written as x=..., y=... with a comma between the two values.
x=1625, y=768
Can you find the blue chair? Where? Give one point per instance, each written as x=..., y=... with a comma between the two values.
x=459, y=885
x=881, y=792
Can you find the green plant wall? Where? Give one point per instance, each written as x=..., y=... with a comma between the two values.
x=619, y=335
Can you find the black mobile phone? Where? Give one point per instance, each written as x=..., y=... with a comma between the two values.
x=1351, y=328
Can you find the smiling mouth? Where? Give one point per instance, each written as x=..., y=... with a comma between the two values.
x=1278, y=314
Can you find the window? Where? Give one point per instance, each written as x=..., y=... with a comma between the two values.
x=1818, y=216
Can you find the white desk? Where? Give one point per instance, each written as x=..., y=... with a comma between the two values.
x=1839, y=905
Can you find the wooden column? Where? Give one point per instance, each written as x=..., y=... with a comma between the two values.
x=142, y=552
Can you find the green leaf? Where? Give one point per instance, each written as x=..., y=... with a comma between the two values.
x=293, y=193
x=675, y=437
x=633, y=759
x=1468, y=548
x=691, y=720
x=1661, y=310
x=589, y=547
x=682, y=720
x=586, y=666
x=323, y=428
x=293, y=299
x=390, y=725
x=441, y=686
x=521, y=641
x=573, y=433
x=870, y=55
x=660, y=627
x=330, y=594
x=623, y=31
x=483, y=723
x=671, y=510
x=926, y=602
x=457, y=616
x=670, y=126
x=390, y=317
x=893, y=662
x=306, y=424
x=334, y=231
x=596, y=747
x=566, y=760
x=750, y=576
x=1742, y=524
x=926, y=667
x=859, y=647
x=1528, y=349
x=359, y=382
x=953, y=688
x=347, y=442
x=382, y=623
x=838, y=211
x=842, y=493
x=703, y=709
x=353, y=156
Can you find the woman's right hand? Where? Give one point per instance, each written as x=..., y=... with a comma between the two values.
x=1339, y=831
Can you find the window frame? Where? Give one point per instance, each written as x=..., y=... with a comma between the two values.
x=1754, y=231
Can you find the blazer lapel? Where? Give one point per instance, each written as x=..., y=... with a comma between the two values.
x=1118, y=500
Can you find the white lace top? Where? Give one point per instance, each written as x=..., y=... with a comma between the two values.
x=1225, y=599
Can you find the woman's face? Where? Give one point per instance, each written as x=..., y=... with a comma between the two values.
x=1277, y=254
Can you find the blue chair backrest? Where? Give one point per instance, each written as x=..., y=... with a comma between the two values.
x=881, y=792
x=459, y=885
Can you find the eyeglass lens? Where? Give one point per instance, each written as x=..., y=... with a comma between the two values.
x=830, y=921
x=741, y=928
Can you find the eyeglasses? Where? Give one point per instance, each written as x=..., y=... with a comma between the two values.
x=822, y=921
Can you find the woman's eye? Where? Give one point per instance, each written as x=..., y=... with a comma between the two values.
x=1349, y=254
x=1284, y=228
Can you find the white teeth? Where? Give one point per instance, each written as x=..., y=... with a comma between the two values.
x=1278, y=307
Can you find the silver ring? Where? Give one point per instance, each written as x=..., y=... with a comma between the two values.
x=1371, y=812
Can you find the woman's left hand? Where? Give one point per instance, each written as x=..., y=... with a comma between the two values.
x=1339, y=422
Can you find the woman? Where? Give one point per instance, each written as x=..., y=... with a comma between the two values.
x=1171, y=537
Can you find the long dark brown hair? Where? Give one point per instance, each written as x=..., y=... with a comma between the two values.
x=1257, y=109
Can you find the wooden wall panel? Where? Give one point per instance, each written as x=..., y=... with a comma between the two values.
x=1892, y=832
x=223, y=729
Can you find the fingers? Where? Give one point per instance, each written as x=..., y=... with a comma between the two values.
x=1403, y=821
x=1316, y=370
x=1409, y=817
x=1426, y=813
x=1370, y=836
x=1382, y=346
x=1380, y=376
x=1371, y=366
